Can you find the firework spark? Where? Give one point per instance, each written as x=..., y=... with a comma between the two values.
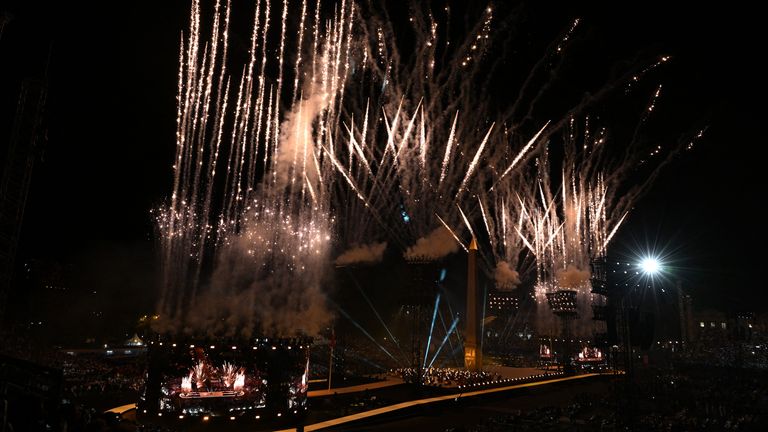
x=249, y=222
x=324, y=142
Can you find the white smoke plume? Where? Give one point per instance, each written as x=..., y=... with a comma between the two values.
x=296, y=142
x=370, y=253
x=256, y=288
x=245, y=249
x=506, y=277
x=437, y=244
x=572, y=277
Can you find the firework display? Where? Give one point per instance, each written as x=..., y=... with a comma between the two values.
x=299, y=215
x=246, y=232
x=337, y=142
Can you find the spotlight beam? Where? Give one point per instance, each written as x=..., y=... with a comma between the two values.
x=431, y=328
x=447, y=335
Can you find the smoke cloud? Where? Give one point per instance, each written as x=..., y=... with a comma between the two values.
x=506, y=277
x=437, y=244
x=255, y=288
x=572, y=277
x=296, y=146
x=362, y=254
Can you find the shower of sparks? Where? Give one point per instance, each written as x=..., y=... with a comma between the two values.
x=328, y=137
x=458, y=240
x=249, y=221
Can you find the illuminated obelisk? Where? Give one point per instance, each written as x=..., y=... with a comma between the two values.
x=473, y=356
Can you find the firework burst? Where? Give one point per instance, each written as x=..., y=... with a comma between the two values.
x=246, y=233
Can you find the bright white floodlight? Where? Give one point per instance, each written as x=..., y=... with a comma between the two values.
x=650, y=266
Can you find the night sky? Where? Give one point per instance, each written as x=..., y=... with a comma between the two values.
x=111, y=125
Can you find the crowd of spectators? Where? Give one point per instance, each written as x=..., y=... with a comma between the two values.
x=84, y=376
x=83, y=380
x=743, y=354
x=576, y=416
x=18, y=347
x=701, y=399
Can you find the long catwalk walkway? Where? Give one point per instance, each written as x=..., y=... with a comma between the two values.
x=413, y=403
x=390, y=381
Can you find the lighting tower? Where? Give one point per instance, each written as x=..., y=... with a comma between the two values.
x=603, y=304
x=420, y=294
x=27, y=139
x=610, y=279
x=563, y=305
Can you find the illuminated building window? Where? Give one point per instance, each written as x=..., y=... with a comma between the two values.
x=701, y=324
x=722, y=325
x=712, y=324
